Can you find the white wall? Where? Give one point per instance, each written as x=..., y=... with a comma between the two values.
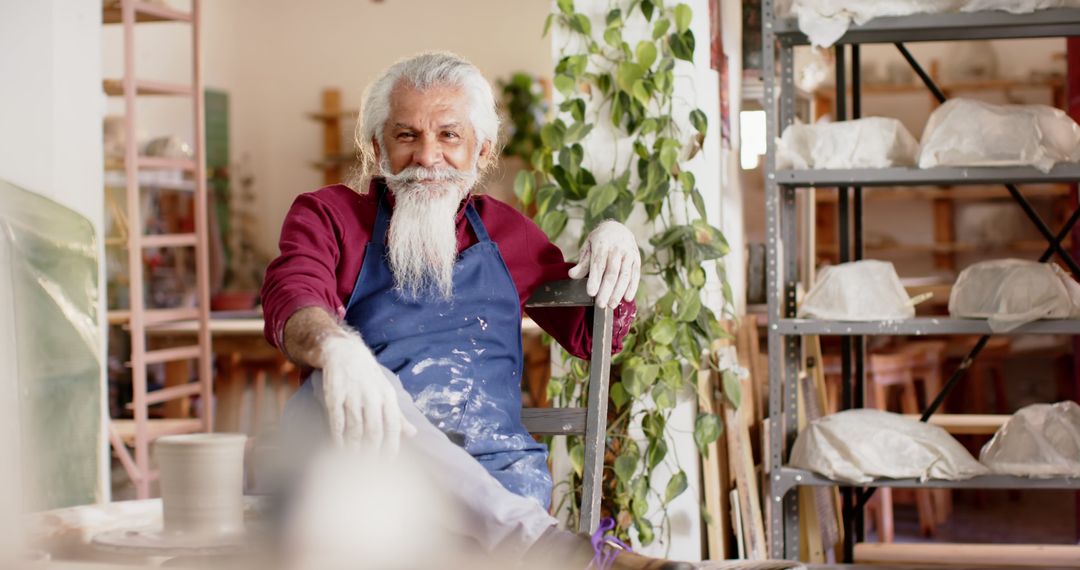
x=275, y=56
x=50, y=117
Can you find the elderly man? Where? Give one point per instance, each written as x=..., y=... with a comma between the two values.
x=406, y=301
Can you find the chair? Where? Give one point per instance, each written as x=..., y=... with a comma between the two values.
x=888, y=370
x=590, y=422
x=927, y=357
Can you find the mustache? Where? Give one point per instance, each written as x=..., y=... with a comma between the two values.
x=416, y=174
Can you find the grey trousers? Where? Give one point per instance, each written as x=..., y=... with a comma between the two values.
x=497, y=520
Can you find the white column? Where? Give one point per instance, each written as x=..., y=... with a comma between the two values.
x=51, y=109
x=696, y=85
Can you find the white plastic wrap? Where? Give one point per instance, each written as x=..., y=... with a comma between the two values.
x=964, y=132
x=867, y=290
x=858, y=446
x=825, y=21
x=51, y=346
x=1017, y=6
x=1040, y=440
x=873, y=142
x=1012, y=292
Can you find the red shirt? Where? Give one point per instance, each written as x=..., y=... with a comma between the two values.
x=326, y=232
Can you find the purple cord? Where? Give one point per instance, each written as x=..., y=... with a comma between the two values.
x=605, y=548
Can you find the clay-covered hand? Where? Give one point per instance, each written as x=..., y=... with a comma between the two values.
x=612, y=261
x=360, y=402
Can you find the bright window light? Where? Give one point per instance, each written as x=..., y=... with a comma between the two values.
x=752, y=131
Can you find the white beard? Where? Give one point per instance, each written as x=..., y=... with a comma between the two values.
x=422, y=239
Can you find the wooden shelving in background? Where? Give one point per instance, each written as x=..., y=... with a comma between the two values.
x=334, y=161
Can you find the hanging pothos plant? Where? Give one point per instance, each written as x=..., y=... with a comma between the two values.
x=630, y=88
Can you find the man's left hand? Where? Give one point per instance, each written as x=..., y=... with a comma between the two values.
x=612, y=261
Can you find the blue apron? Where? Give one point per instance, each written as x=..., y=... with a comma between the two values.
x=460, y=360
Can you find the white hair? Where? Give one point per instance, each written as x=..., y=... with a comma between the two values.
x=422, y=72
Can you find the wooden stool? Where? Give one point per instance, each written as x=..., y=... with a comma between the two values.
x=285, y=380
x=989, y=366
x=889, y=370
x=927, y=358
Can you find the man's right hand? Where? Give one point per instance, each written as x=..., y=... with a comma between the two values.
x=361, y=405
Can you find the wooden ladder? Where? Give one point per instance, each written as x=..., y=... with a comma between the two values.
x=139, y=432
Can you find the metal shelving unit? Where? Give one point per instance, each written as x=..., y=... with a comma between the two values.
x=916, y=327
x=939, y=176
x=787, y=478
x=780, y=36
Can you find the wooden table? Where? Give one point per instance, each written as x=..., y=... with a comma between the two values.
x=238, y=345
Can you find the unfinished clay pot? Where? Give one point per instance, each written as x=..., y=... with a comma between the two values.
x=202, y=486
x=202, y=483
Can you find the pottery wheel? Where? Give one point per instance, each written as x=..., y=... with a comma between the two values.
x=155, y=542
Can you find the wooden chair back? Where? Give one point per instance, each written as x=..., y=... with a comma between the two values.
x=590, y=422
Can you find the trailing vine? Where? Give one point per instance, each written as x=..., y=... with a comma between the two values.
x=629, y=89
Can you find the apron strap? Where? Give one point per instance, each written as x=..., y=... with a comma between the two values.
x=382, y=219
x=474, y=221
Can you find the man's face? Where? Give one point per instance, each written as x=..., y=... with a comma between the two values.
x=430, y=129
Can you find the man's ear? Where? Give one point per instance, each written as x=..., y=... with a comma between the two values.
x=378, y=151
x=485, y=154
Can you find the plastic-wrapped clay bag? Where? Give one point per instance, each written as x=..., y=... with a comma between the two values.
x=858, y=446
x=1017, y=6
x=1041, y=440
x=873, y=142
x=963, y=132
x=825, y=21
x=1012, y=292
x=867, y=290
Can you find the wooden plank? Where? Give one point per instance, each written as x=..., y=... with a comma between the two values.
x=169, y=240
x=826, y=501
x=967, y=424
x=162, y=163
x=554, y=421
x=115, y=88
x=811, y=545
x=714, y=474
x=738, y=439
x=144, y=12
x=172, y=393
x=746, y=345
x=161, y=355
x=125, y=429
x=768, y=505
x=1026, y=555
x=737, y=523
